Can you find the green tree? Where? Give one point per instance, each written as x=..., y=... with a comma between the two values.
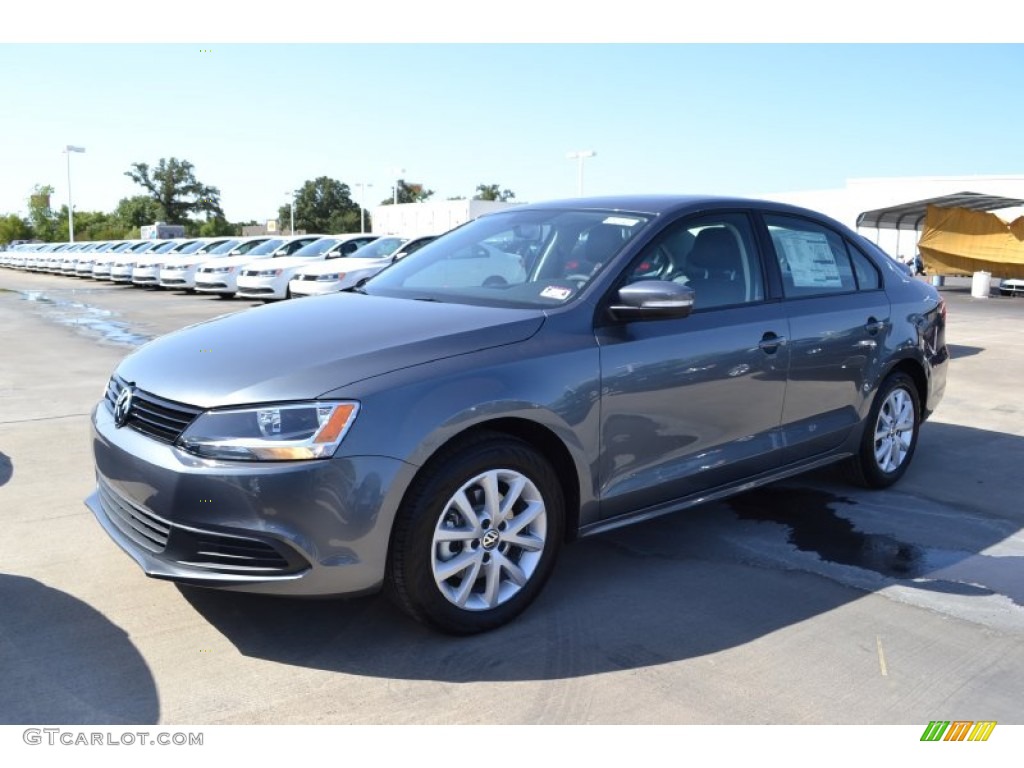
x=493, y=192
x=217, y=226
x=138, y=211
x=409, y=192
x=173, y=185
x=322, y=205
x=13, y=227
x=42, y=217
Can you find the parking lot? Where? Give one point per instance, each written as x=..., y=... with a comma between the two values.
x=805, y=602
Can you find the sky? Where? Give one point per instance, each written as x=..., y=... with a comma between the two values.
x=257, y=119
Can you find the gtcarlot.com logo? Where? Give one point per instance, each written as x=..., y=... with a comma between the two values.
x=71, y=738
x=958, y=730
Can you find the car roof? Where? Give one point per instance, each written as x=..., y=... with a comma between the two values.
x=658, y=205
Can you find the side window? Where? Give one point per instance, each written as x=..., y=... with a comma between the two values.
x=868, y=278
x=714, y=254
x=813, y=259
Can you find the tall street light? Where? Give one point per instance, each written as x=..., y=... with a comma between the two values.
x=292, y=194
x=397, y=177
x=362, y=203
x=581, y=155
x=71, y=217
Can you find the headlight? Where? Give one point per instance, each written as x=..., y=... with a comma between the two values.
x=335, y=276
x=271, y=433
x=269, y=273
x=221, y=270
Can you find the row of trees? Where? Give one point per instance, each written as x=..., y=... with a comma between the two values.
x=174, y=195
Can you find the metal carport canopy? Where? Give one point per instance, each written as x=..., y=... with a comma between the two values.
x=894, y=216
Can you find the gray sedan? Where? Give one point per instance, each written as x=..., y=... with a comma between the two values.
x=543, y=373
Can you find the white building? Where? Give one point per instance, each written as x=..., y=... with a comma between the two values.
x=429, y=218
x=890, y=211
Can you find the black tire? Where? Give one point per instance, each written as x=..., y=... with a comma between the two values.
x=490, y=550
x=897, y=395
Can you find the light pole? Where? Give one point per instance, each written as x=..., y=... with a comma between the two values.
x=581, y=155
x=398, y=178
x=71, y=216
x=362, y=204
x=292, y=193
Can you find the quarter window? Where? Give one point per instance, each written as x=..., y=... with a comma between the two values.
x=867, y=273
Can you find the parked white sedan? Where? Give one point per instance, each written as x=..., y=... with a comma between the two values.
x=338, y=273
x=181, y=273
x=220, y=276
x=269, y=281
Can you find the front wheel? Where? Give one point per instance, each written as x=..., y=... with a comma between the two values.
x=890, y=434
x=477, y=536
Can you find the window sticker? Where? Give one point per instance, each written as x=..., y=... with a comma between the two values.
x=621, y=221
x=811, y=261
x=556, y=292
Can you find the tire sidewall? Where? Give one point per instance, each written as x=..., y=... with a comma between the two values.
x=874, y=474
x=424, y=508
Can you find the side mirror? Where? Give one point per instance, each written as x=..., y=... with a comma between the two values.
x=652, y=300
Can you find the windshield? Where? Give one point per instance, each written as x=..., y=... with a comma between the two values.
x=518, y=258
x=378, y=249
x=317, y=247
x=224, y=247
x=268, y=246
x=192, y=247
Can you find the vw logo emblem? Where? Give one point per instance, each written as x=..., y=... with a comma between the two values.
x=122, y=406
x=491, y=539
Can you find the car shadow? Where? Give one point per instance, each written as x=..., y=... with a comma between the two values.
x=687, y=585
x=62, y=661
x=6, y=468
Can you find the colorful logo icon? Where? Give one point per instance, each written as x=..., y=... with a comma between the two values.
x=958, y=730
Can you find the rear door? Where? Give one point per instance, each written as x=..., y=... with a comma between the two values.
x=839, y=317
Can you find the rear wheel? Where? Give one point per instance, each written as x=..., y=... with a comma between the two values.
x=890, y=434
x=477, y=536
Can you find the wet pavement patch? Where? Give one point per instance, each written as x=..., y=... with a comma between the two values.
x=815, y=527
x=94, y=321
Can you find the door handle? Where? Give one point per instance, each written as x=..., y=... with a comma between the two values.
x=770, y=343
x=874, y=325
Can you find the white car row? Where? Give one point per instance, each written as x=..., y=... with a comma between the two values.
x=262, y=267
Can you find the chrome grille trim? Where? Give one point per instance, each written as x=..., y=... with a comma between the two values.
x=161, y=419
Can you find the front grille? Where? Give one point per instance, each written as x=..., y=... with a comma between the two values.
x=235, y=554
x=141, y=526
x=161, y=419
x=251, y=272
x=307, y=277
x=194, y=547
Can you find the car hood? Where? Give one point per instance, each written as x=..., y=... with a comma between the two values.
x=302, y=349
x=344, y=264
x=290, y=262
x=231, y=261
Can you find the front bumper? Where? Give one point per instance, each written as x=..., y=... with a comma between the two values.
x=290, y=528
x=314, y=287
x=213, y=282
x=261, y=287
